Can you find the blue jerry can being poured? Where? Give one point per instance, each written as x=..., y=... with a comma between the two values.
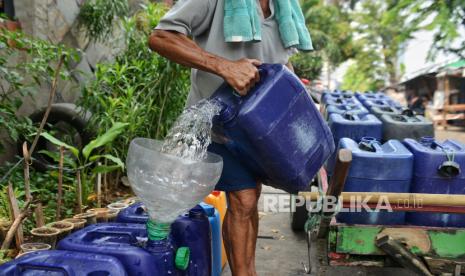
x=61, y=262
x=185, y=251
x=377, y=167
x=276, y=130
x=439, y=169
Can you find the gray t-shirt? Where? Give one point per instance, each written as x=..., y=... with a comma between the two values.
x=203, y=21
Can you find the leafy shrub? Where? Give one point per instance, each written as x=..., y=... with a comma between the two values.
x=140, y=87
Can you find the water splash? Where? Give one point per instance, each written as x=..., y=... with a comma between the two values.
x=191, y=133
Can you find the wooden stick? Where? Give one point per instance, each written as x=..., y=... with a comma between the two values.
x=49, y=106
x=400, y=198
x=15, y=212
x=39, y=214
x=60, y=182
x=14, y=227
x=341, y=170
x=99, y=188
x=79, y=191
x=402, y=255
x=27, y=185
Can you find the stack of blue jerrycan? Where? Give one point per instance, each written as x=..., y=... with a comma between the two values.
x=377, y=167
x=406, y=125
x=276, y=130
x=182, y=248
x=352, y=126
x=136, y=213
x=60, y=262
x=439, y=169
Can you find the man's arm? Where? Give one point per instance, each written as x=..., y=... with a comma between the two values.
x=241, y=74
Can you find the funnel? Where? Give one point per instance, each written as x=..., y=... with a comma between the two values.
x=168, y=185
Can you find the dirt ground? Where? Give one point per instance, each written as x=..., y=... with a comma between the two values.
x=280, y=251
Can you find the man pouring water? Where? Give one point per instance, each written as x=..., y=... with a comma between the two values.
x=225, y=40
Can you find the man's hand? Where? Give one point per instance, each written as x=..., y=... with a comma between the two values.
x=242, y=74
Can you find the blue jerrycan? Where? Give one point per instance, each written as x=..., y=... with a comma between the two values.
x=388, y=110
x=134, y=213
x=129, y=244
x=377, y=167
x=406, y=125
x=336, y=94
x=193, y=230
x=216, y=241
x=276, y=130
x=354, y=127
x=371, y=96
x=439, y=169
x=60, y=262
x=380, y=103
x=357, y=109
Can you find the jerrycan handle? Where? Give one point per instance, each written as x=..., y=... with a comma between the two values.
x=448, y=168
x=64, y=269
x=130, y=237
x=370, y=144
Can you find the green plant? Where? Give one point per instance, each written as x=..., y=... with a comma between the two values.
x=98, y=17
x=86, y=160
x=140, y=87
x=22, y=79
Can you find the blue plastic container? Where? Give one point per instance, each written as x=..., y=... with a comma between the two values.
x=377, y=167
x=276, y=130
x=134, y=213
x=337, y=94
x=371, y=96
x=439, y=169
x=59, y=262
x=128, y=243
x=193, y=230
x=356, y=109
x=381, y=103
x=216, y=244
x=354, y=127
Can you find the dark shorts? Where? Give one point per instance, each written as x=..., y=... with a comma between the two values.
x=235, y=175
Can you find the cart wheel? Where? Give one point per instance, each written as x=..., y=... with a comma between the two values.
x=299, y=216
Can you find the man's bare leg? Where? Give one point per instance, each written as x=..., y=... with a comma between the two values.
x=240, y=229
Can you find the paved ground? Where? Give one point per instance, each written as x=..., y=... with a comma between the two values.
x=280, y=251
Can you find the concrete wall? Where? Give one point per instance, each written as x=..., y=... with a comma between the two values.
x=56, y=21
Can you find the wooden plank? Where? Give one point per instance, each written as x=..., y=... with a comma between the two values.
x=341, y=170
x=440, y=265
x=15, y=213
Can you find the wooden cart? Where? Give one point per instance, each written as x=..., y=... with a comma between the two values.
x=342, y=249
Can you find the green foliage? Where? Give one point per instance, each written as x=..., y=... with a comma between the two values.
x=332, y=38
x=140, y=87
x=382, y=30
x=85, y=162
x=444, y=18
x=98, y=17
x=307, y=65
x=43, y=188
x=22, y=79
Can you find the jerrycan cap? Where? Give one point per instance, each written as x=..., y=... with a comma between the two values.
x=181, y=260
x=216, y=193
x=197, y=212
x=368, y=144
